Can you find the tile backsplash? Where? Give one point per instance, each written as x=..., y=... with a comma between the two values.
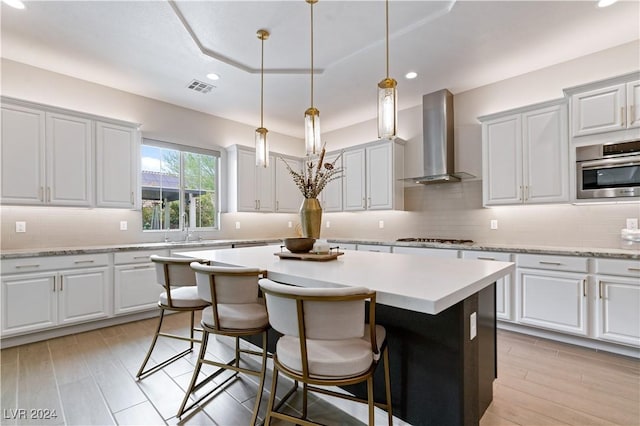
x=443, y=210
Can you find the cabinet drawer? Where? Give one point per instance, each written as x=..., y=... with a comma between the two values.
x=626, y=268
x=554, y=263
x=374, y=247
x=34, y=264
x=141, y=256
x=431, y=252
x=486, y=255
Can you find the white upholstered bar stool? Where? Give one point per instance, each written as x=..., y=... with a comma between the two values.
x=326, y=343
x=181, y=294
x=236, y=310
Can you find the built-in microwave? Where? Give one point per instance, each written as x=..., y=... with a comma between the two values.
x=608, y=170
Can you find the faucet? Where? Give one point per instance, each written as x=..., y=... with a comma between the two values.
x=185, y=227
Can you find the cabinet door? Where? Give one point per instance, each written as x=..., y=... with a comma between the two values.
x=619, y=310
x=266, y=187
x=288, y=196
x=598, y=111
x=28, y=302
x=633, y=104
x=69, y=149
x=545, y=150
x=502, y=161
x=553, y=300
x=353, y=181
x=135, y=288
x=332, y=194
x=83, y=295
x=379, y=177
x=246, y=191
x=22, y=155
x=116, y=165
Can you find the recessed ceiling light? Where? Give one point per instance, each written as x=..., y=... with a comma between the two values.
x=213, y=76
x=17, y=4
x=411, y=75
x=605, y=3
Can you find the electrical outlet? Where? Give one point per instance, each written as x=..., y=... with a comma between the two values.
x=237, y=225
x=381, y=224
x=21, y=226
x=632, y=223
x=289, y=224
x=473, y=326
x=123, y=225
x=494, y=224
x=328, y=224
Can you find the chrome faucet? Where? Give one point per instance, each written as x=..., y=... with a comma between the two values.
x=185, y=227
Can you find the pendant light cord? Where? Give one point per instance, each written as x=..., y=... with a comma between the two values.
x=262, y=81
x=387, y=19
x=311, y=55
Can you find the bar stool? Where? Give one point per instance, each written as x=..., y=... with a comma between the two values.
x=180, y=294
x=236, y=310
x=326, y=343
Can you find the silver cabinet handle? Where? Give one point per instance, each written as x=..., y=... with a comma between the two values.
x=632, y=118
x=258, y=204
x=40, y=192
x=584, y=288
x=600, y=289
x=542, y=262
x=49, y=193
x=364, y=203
x=369, y=205
x=526, y=192
x=35, y=265
x=141, y=257
x=77, y=262
x=634, y=269
x=520, y=194
x=131, y=197
x=54, y=284
x=61, y=283
x=486, y=258
x=141, y=267
x=277, y=205
x=622, y=118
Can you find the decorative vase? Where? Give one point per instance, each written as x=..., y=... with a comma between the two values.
x=311, y=217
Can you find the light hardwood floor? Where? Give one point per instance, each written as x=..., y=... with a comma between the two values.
x=88, y=379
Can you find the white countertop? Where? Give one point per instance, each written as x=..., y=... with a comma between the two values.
x=406, y=281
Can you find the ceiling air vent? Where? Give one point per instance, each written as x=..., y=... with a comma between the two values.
x=200, y=86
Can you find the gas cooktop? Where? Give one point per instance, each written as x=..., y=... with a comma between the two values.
x=435, y=240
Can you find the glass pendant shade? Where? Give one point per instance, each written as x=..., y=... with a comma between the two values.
x=387, y=108
x=262, y=147
x=312, y=131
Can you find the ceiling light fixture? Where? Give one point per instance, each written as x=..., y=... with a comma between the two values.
x=213, y=76
x=262, y=145
x=411, y=75
x=312, y=115
x=605, y=3
x=387, y=97
x=16, y=4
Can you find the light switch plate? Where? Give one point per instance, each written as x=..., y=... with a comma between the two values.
x=328, y=224
x=237, y=225
x=381, y=224
x=21, y=226
x=289, y=224
x=123, y=225
x=494, y=224
x=632, y=223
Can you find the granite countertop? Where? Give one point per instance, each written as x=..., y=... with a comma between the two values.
x=611, y=253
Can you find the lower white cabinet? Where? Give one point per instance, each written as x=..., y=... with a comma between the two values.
x=504, y=286
x=425, y=251
x=135, y=286
x=618, y=302
x=37, y=300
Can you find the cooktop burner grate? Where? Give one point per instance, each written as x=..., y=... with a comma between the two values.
x=435, y=240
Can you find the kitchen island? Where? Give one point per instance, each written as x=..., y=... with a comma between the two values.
x=439, y=315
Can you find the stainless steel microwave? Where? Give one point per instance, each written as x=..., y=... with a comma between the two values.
x=608, y=170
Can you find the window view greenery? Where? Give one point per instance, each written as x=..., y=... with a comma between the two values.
x=178, y=188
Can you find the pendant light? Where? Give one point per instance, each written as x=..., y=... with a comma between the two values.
x=387, y=97
x=312, y=115
x=262, y=145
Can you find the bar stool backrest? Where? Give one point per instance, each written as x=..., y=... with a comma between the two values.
x=231, y=285
x=173, y=271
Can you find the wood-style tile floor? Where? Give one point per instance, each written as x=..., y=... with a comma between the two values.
x=88, y=379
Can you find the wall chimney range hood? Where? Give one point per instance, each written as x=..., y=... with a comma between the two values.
x=437, y=131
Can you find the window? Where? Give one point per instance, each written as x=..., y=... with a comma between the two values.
x=179, y=186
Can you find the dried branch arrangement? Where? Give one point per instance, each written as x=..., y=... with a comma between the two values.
x=313, y=177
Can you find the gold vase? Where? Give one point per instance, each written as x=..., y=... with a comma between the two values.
x=311, y=217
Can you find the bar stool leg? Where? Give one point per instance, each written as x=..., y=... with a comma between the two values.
x=370, y=400
x=196, y=372
x=256, y=409
x=153, y=344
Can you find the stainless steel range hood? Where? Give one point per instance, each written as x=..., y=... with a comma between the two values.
x=437, y=130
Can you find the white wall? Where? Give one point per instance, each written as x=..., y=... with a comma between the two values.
x=445, y=210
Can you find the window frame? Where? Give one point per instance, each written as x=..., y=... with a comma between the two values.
x=214, y=151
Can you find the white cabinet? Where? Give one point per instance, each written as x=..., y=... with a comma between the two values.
x=75, y=289
x=135, y=286
x=525, y=156
x=46, y=157
x=504, y=286
x=117, y=153
x=251, y=188
x=606, y=109
x=618, y=303
x=288, y=195
x=331, y=196
x=551, y=298
x=372, y=176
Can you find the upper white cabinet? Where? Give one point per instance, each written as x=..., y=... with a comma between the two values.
x=288, y=195
x=251, y=188
x=372, y=176
x=609, y=108
x=49, y=158
x=331, y=196
x=117, y=150
x=525, y=155
x=46, y=157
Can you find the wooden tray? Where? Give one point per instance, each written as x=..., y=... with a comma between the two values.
x=309, y=256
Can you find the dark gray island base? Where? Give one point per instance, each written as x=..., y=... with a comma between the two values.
x=439, y=376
